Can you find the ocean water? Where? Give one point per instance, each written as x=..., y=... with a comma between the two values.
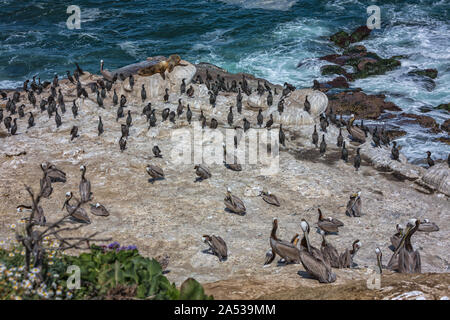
x=267, y=38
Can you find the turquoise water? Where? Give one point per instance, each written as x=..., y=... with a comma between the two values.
x=265, y=38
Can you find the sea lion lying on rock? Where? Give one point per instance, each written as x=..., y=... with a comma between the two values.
x=162, y=66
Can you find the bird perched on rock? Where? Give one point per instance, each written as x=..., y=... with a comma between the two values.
x=323, y=146
x=217, y=245
x=260, y=118
x=74, y=133
x=315, y=137
x=157, y=152
x=430, y=161
x=202, y=172
x=357, y=161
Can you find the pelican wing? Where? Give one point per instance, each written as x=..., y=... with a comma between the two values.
x=409, y=261
x=328, y=226
x=271, y=199
x=357, y=134
x=85, y=190
x=330, y=254
x=219, y=247
x=46, y=187
x=285, y=250
x=317, y=267
x=100, y=211
x=428, y=227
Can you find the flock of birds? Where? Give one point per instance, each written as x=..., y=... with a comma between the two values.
x=317, y=262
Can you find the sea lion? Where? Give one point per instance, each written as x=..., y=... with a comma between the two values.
x=162, y=66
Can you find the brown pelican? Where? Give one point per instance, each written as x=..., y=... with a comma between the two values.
x=77, y=213
x=55, y=174
x=346, y=258
x=38, y=218
x=379, y=259
x=405, y=259
x=46, y=186
x=202, y=172
x=217, y=245
x=329, y=252
x=328, y=224
x=397, y=237
x=312, y=259
x=356, y=133
x=354, y=205
x=155, y=172
x=85, y=186
x=99, y=210
x=288, y=251
x=270, y=198
x=427, y=226
x=234, y=204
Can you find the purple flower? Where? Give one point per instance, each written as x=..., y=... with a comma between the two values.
x=114, y=245
x=132, y=247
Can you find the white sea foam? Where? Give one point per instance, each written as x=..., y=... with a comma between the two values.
x=282, y=5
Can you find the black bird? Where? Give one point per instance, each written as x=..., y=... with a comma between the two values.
x=32, y=98
x=3, y=94
x=203, y=122
x=281, y=106
x=152, y=118
x=281, y=135
x=70, y=77
x=84, y=93
x=157, y=152
x=307, y=105
x=260, y=118
x=99, y=100
x=79, y=70
x=74, y=133
x=212, y=99
x=129, y=119
x=202, y=117
x=61, y=100
x=1, y=114
x=30, y=120
x=213, y=124
x=239, y=102
x=323, y=146
x=125, y=130
x=429, y=160
x=103, y=93
x=340, y=138
x=246, y=124
x=189, y=114
x=395, y=153
x=376, y=138
x=43, y=104
x=384, y=137
x=260, y=89
x=122, y=77
x=172, y=116
x=315, y=137
x=230, y=117
x=147, y=109
x=58, y=119
x=100, y=125
x=21, y=111
x=131, y=80
x=165, y=114
x=269, y=122
x=115, y=98
x=190, y=92
x=323, y=123
x=119, y=113
x=166, y=96
x=25, y=85
x=14, y=127
x=357, y=162
x=344, y=153
x=332, y=117
x=179, y=108
x=143, y=93
x=76, y=75
x=183, y=86
x=55, y=80
x=122, y=143
x=7, y=122
x=123, y=100
x=114, y=79
x=74, y=109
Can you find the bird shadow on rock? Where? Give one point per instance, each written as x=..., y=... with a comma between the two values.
x=152, y=180
x=199, y=179
x=327, y=232
x=305, y=275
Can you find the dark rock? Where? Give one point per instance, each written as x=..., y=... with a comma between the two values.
x=375, y=68
x=394, y=134
x=445, y=139
x=360, y=34
x=341, y=39
x=424, y=121
x=430, y=73
x=357, y=49
x=361, y=104
x=446, y=125
x=444, y=106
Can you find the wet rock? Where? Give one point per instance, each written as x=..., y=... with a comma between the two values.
x=361, y=104
x=430, y=73
x=444, y=106
x=333, y=69
x=343, y=39
x=424, y=121
x=360, y=34
x=446, y=125
x=444, y=139
x=375, y=67
x=394, y=134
